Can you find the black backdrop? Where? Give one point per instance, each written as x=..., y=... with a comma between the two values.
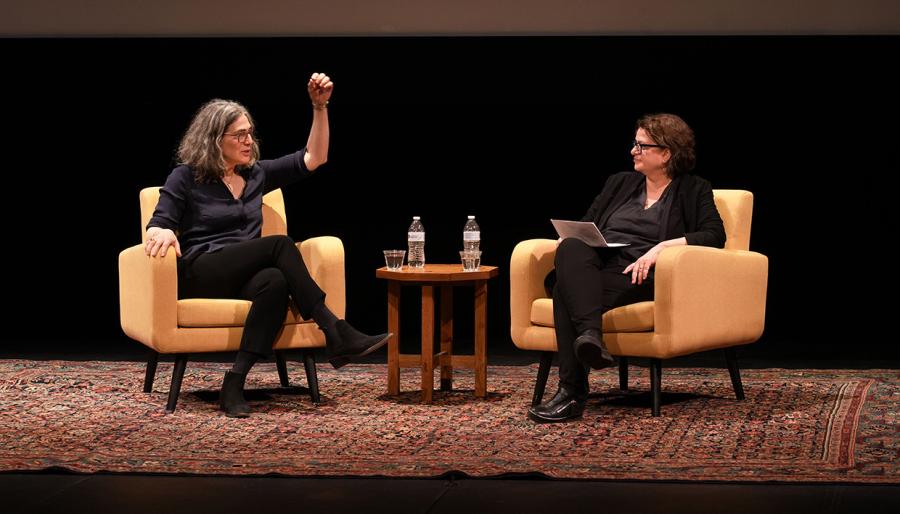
x=514, y=130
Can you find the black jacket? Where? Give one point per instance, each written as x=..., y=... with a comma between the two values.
x=693, y=214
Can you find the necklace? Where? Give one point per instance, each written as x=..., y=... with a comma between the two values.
x=228, y=184
x=648, y=202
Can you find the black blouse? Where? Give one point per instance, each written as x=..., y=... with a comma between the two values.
x=206, y=216
x=640, y=228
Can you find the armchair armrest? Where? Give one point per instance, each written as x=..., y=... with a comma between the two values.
x=148, y=295
x=530, y=263
x=324, y=257
x=708, y=298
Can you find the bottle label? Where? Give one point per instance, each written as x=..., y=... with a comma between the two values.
x=471, y=235
x=415, y=236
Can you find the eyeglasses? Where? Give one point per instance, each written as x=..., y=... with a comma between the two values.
x=242, y=135
x=641, y=146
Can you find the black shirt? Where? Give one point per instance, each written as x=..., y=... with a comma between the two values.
x=640, y=228
x=206, y=216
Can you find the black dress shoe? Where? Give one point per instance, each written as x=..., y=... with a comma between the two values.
x=344, y=343
x=590, y=350
x=564, y=405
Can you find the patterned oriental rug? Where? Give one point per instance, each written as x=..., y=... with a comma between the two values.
x=795, y=425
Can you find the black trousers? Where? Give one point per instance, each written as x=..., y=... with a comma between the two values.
x=268, y=271
x=585, y=288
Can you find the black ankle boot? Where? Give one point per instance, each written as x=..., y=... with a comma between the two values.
x=590, y=350
x=344, y=343
x=231, y=399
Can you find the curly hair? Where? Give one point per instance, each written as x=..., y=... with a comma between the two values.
x=672, y=132
x=201, y=145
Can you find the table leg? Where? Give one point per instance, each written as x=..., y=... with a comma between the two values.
x=427, y=343
x=446, y=338
x=481, y=339
x=394, y=342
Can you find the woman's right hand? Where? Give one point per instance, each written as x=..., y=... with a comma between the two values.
x=159, y=240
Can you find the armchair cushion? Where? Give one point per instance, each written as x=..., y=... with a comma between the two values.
x=637, y=317
x=214, y=312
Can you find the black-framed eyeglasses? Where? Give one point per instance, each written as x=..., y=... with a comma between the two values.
x=640, y=146
x=242, y=135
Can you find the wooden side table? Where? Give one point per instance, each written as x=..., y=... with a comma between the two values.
x=443, y=277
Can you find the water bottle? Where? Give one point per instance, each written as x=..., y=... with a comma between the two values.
x=471, y=235
x=415, y=237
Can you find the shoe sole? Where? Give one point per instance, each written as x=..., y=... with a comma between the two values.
x=538, y=419
x=592, y=355
x=340, y=362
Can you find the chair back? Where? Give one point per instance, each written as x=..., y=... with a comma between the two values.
x=274, y=218
x=736, y=209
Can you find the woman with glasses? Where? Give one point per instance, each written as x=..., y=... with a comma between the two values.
x=213, y=202
x=661, y=205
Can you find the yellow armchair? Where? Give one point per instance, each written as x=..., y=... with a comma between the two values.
x=152, y=314
x=704, y=299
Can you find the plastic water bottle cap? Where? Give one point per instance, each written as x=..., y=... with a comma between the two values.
x=415, y=217
x=471, y=217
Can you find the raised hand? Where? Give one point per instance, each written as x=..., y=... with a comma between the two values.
x=320, y=87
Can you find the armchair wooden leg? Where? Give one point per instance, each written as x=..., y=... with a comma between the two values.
x=177, y=374
x=623, y=373
x=655, y=384
x=150, y=374
x=312, y=380
x=735, y=373
x=281, y=364
x=543, y=373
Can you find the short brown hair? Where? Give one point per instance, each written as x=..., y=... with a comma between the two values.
x=672, y=132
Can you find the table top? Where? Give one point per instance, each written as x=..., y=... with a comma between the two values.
x=437, y=273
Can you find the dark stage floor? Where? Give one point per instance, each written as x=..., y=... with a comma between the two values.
x=138, y=494
x=59, y=491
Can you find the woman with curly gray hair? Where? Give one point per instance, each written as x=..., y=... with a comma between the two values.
x=661, y=205
x=210, y=213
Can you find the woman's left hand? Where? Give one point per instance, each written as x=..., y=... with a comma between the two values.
x=319, y=87
x=640, y=268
